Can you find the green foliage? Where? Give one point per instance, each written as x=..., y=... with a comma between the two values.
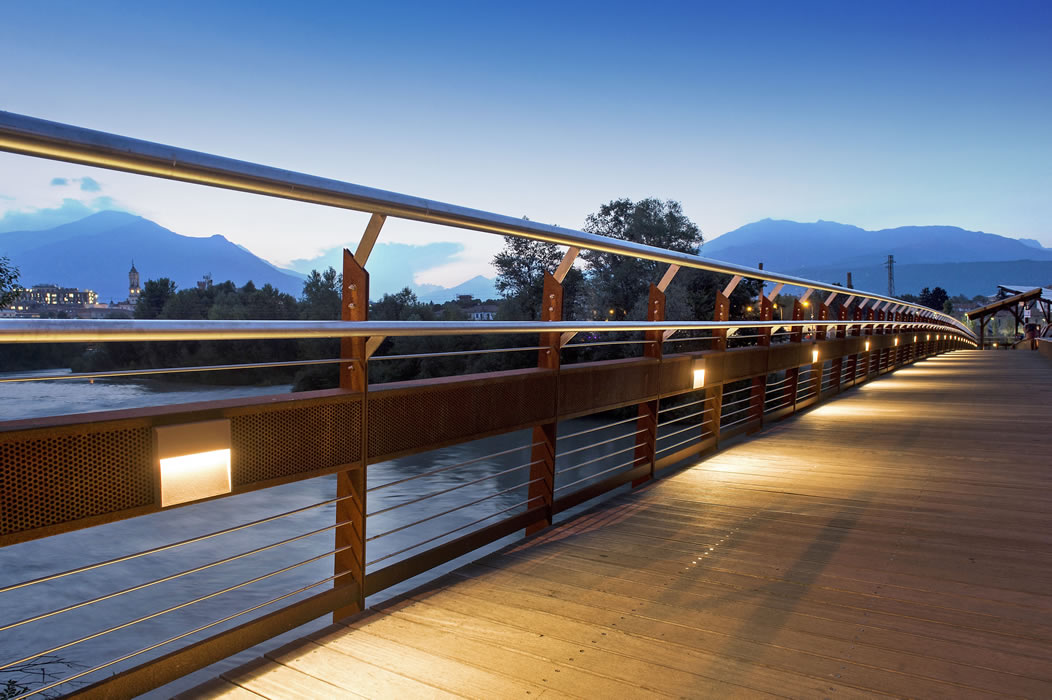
x=8, y=281
x=521, y=265
x=155, y=294
x=620, y=283
x=933, y=298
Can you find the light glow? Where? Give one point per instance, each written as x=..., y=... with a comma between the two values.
x=194, y=460
x=814, y=355
x=896, y=341
x=195, y=476
x=867, y=346
x=699, y=378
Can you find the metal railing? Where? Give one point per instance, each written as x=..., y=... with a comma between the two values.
x=545, y=440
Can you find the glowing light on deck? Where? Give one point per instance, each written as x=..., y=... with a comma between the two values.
x=194, y=460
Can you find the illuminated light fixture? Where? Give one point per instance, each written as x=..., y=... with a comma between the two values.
x=928, y=337
x=611, y=312
x=194, y=460
x=699, y=378
x=995, y=345
x=867, y=346
x=807, y=303
x=914, y=339
x=748, y=308
x=896, y=341
x=814, y=355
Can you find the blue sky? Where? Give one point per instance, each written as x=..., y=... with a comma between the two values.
x=874, y=114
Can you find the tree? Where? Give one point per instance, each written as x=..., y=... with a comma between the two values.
x=521, y=265
x=322, y=296
x=155, y=294
x=620, y=283
x=933, y=298
x=8, y=281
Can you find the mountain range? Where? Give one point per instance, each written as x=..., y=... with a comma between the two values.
x=958, y=260
x=96, y=252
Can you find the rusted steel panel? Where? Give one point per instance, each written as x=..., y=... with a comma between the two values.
x=59, y=475
x=599, y=386
x=424, y=415
x=788, y=356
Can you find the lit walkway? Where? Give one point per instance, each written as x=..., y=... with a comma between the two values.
x=897, y=541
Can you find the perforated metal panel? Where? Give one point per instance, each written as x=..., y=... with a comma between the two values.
x=281, y=443
x=435, y=414
x=606, y=386
x=60, y=478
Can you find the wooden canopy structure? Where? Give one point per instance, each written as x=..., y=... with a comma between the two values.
x=1013, y=304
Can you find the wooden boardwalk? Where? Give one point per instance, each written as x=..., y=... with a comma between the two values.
x=894, y=542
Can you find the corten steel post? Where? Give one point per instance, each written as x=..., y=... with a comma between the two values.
x=821, y=314
x=867, y=331
x=721, y=312
x=796, y=335
x=879, y=330
x=354, y=376
x=855, y=332
x=646, y=424
x=542, y=455
x=838, y=362
x=758, y=394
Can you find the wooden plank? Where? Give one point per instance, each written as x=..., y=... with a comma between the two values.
x=875, y=545
x=347, y=672
x=273, y=680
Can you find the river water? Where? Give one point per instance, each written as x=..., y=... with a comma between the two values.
x=491, y=483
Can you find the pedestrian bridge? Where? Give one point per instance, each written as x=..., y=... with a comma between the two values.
x=846, y=500
x=893, y=542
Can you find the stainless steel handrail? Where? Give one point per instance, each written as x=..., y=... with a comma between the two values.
x=32, y=330
x=46, y=139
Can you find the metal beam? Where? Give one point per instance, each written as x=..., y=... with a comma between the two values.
x=45, y=139
x=732, y=285
x=365, y=246
x=565, y=264
x=111, y=330
x=667, y=278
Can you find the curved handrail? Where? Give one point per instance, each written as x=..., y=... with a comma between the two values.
x=113, y=330
x=46, y=139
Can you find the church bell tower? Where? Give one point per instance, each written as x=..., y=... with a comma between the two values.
x=133, y=285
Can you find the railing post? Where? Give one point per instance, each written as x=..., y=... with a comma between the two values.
x=354, y=376
x=542, y=454
x=855, y=332
x=796, y=335
x=646, y=424
x=822, y=313
x=838, y=362
x=721, y=312
x=758, y=394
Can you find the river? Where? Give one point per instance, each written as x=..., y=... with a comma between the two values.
x=491, y=483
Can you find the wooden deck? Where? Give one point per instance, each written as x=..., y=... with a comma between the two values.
x=894, y=542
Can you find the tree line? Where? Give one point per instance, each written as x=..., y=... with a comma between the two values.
x=609, y=287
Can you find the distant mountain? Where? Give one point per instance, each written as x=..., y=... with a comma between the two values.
x=925, y=256
x=392, y=267
x=1032, y=243
x=969, y=278
x=479, y=287
x=97, y=251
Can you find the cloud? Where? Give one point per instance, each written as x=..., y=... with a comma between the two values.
x=392, y=266
x=87, y=184
x=59, y=181
x=33, y=219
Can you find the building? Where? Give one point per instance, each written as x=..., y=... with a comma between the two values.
x=482, y=312
x=134, y=289
x=49, y=300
